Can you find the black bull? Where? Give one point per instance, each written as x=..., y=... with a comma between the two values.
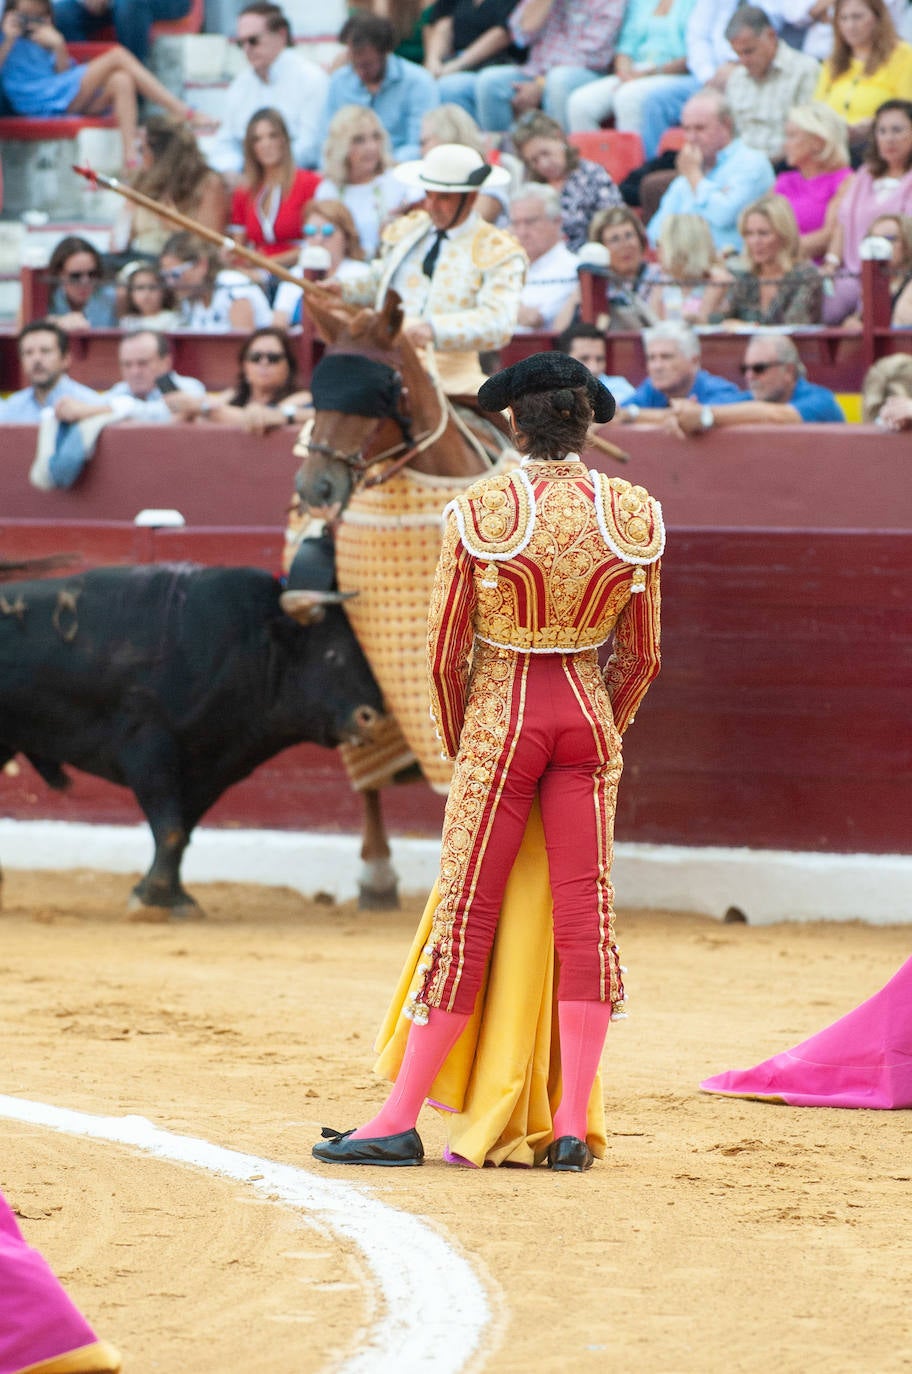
x=176, y=682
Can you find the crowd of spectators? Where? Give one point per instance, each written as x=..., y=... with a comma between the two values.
x=793, y=151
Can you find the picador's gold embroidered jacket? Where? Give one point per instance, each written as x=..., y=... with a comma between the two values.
x=547, y=559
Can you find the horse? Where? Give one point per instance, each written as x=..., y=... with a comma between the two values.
x=386, y=451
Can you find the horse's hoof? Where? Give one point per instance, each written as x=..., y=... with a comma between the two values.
x=378, y=899
x=153, y=913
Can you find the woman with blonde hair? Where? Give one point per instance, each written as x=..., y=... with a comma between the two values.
x=358, y=170
x=328, y=224
x=692, y=281
x=817, y=152
x=271, y=197
x=778, y=287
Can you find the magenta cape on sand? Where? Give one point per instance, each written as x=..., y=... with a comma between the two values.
x=37, y=1320
x=862, y=1060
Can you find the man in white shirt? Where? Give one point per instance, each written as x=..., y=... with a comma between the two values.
x=149, y=390
x=551, y=292
x=710, y=62
x=274, y=79
x=769, y=79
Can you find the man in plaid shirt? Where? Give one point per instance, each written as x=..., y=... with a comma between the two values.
x=568, y=43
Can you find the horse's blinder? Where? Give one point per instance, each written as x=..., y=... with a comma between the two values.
x=355, y=385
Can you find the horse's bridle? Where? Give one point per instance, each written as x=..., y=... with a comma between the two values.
x=358, y=465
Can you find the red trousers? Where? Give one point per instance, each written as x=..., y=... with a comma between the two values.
x=535, y=724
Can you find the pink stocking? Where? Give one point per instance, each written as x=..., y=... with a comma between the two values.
x=425, y=1051
x=583, y=1027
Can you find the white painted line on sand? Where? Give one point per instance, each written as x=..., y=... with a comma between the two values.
x=766, y=884
x=434, y=1310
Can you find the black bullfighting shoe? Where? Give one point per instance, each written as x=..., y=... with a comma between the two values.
x=569, y=1155
x=394, y=1151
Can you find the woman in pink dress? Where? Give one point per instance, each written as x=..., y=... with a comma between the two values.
x=817, y=152
x=883, y=185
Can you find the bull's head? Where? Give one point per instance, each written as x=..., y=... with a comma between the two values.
x=342, y=658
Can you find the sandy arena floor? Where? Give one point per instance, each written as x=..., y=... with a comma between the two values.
x=717, y=1235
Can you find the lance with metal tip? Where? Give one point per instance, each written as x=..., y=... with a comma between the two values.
x=202, y=231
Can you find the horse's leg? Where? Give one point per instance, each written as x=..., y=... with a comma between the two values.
x=378, y=888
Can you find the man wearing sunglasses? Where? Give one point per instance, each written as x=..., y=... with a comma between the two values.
x=779, y=394
x=274, y=78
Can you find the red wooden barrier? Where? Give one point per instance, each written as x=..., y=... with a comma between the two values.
x=803, y=476
x=780, y=718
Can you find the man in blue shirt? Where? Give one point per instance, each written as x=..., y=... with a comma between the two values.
x=779, y=394
x=718, y=174
x=44, y=353
x=399, y=92
x=673, y=365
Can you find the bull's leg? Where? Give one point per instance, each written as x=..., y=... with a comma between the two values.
x=377, y=884
x=152, y=771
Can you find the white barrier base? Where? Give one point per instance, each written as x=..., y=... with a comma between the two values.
x=766, y=885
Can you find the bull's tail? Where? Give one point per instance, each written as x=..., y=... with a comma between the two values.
x=51, y=771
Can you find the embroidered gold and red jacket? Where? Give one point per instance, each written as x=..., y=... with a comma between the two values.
x=549, y=558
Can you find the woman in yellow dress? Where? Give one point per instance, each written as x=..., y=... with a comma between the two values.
x=868, y=65
x=538, y=568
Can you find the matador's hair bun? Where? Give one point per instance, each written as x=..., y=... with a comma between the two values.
x=553, y=371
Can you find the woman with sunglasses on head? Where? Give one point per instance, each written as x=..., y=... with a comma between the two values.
x=148, y=302
x=79, y=299
x=40, y=78
x=267, y=394
x=268, y=203
x=210, y=297
x=327, y=225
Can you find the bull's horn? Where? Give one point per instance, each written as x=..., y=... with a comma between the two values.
x=304, y=605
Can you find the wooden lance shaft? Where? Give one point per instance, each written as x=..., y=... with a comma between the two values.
x=201, y=231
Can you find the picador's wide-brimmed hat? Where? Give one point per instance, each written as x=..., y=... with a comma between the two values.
x=545, y=372
x=452, y=167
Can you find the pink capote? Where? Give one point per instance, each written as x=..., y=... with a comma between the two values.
x=862, y=1060
x=37, y=1319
